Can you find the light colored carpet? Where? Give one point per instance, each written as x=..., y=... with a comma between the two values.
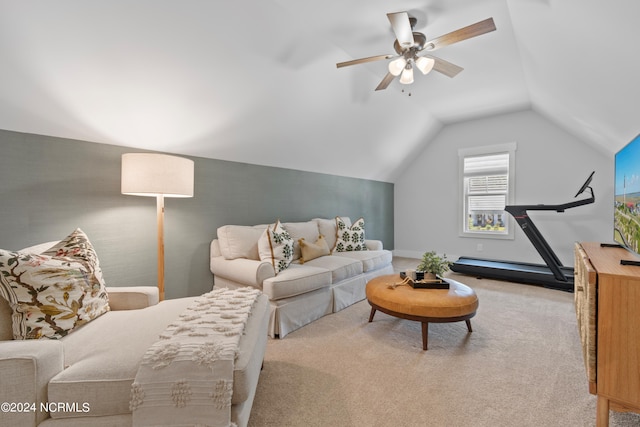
x=522, y=366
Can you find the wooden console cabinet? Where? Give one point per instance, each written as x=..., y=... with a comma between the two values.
x=607, y=299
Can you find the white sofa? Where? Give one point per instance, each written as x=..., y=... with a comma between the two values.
x=90, y=371
x=303, y=292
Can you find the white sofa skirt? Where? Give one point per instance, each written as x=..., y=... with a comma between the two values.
x=288, y=314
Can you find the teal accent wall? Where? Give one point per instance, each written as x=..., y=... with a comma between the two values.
x=50, y=186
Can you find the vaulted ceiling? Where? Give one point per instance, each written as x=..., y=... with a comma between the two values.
x=256, y=81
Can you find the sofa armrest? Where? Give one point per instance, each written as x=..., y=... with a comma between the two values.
x=132, y=297
x=26, y=367
x=373, y=245
x=214, y=249
x=247, y=272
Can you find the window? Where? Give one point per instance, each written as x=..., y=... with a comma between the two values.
x=486, y=176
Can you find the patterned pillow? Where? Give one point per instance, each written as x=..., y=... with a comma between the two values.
x=276, y=245
x=315, y=250
x=349, y=238
x=53, y=293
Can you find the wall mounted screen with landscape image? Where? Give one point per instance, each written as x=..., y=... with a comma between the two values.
x=627, y=196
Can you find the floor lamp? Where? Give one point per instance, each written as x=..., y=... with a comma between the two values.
x=159, y=176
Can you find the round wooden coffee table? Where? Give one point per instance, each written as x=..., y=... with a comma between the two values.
x=455, y=304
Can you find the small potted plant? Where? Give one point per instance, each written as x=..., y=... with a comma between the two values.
x=433, y=265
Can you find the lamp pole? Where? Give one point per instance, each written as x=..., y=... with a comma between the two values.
x=160, y=220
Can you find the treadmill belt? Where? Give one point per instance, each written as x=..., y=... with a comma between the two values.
x=505, y=265
x=536, y=274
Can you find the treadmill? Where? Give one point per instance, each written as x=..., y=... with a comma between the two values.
x=552, y=275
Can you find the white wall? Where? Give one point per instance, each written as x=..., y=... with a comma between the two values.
x=551, y=165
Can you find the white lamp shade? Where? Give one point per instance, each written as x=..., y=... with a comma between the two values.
x=397, y=65
x=407, y=76
x=425, y=64
x=152, y=174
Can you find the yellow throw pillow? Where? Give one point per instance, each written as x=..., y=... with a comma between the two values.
x=311, y=251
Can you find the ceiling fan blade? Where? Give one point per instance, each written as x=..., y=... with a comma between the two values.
x=385, y=81
x=465, y=33
x=445, y=67
x=402, y=28
x=363, y=60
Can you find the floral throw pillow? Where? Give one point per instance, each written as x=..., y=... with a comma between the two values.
x=349, y=238
x=276, y=245
x=53, y=293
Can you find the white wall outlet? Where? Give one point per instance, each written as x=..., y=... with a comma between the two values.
x=479, y=247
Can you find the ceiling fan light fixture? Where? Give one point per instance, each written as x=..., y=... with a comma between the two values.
x=397, y=65
x=409, y=44
x=407, y=75
x=425, y=64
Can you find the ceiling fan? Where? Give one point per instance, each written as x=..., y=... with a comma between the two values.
x=409, y=44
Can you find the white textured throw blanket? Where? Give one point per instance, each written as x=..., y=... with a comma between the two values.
x=186, y=378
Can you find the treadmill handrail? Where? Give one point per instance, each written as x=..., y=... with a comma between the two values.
x=558, y=208
x=519, y=212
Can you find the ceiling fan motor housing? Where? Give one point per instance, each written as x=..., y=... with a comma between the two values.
x=419, y=41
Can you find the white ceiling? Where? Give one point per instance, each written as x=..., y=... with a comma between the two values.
x=256, y=82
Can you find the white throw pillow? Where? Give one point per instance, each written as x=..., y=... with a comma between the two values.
x=350, y=238
x=276, y=246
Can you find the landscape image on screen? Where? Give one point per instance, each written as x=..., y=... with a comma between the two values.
x=627, y=196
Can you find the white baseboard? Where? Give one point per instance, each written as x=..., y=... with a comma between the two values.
x=407, y=254
x=401, y=253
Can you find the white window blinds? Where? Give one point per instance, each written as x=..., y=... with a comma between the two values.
x=482, y=165
x=486, y=175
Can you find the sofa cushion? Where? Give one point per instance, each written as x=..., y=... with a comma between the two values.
x=327, y=228
x=297, y=279
x=276, y=246
x=54, y=293
x=340, y=267
x=371, y=260
x=301, y=230
x=102, y=359
x=309, y=251
x=350, y=238
x=239, y=241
